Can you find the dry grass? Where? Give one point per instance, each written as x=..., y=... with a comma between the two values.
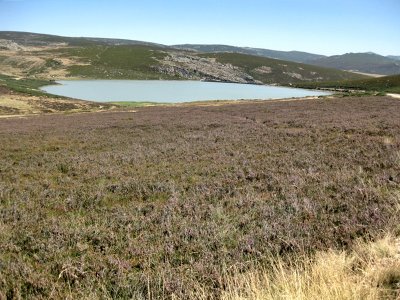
x=44, y=62
x=370, y=271
x=18, y=104
x=161, y=202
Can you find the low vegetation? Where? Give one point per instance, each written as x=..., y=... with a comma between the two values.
x=182, y=202
x=115, y=62
x=24, y=85
x=389, y=84
x=245, y=200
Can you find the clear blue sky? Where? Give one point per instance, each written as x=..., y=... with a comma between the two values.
x=318, y=26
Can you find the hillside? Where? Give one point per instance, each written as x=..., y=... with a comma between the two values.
x=361, y=62
x=295, y=56
x=388, y=84
x=270, y=71
x=54, y=57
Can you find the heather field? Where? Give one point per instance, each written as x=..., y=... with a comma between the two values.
x=183, y=202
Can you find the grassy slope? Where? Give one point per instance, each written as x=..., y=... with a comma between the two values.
x=390, y=84
x=116, y=62
x=127, y=205
x=134, y=62
x=249, y=63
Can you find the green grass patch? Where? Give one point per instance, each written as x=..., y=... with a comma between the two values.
x=25, y=85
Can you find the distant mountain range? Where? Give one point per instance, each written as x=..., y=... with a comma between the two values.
x=360, y=62
x=394, y=57
x=295, y=56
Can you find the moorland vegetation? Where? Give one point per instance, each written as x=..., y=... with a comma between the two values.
x=213, y=204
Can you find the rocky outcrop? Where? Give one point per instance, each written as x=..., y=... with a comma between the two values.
x=263, y=70
x=10, y=45
x=194, y=67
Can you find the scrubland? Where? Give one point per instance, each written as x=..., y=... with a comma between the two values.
x=385, y=84
x=260, y=200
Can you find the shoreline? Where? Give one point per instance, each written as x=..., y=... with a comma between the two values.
x=101, y=107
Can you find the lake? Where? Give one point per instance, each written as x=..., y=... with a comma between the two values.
x=169, y=91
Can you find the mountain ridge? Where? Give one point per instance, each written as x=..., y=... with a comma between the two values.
x=41, y=39
x=361, y=62
x=295, y=56
x=366, y=62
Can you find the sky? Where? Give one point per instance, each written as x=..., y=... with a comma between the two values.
x=328, y=27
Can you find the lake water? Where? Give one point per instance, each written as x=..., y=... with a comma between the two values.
x=169, y=91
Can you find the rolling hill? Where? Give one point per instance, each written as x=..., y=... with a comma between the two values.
x=37, y=39
x=360, y=62
x=54, y=57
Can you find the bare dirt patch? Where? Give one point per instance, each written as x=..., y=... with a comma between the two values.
x=263, y=70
